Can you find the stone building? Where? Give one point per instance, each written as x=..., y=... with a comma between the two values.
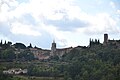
x=43, y=54
x=105, y=39
x=40, y=54
x=53, y=49
x=108, y=42
x=16, y=71
x=59, y=52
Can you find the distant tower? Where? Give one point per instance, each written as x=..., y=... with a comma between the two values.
x=53, y=48
x=90, y=42
x=105, y=38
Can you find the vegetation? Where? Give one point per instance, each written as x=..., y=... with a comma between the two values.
x=96, y=62
x=7, y=54
x=17, y=52
x=25, y=56
x=20, y=45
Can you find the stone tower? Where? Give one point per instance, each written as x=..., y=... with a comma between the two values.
x=53, y=48
x=105, y=39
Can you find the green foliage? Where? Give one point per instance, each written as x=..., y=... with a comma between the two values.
x=30, y=46
x=18, y=51
x=54, y=58
x=5, y=77
x=19, y=45
x=7, y=54
x=26, y=56
x=44, y=71
x=95, y=63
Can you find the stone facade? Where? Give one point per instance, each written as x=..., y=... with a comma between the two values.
x=53, y=49
x=42, y=54
x=108, y=42
x=46, y=54
x=105, y=39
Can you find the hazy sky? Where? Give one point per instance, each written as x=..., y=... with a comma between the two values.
x=69, y=22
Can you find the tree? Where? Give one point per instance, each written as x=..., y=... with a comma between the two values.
x=26, y=55
x=55, y=58
x=8, y=55
x=66, y=76
x=9, y=43
x=5, y=42
x=20, y=45
x=77, y=77
x=1, y=43
x=30, y=46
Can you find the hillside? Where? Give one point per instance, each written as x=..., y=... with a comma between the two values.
x=95, y=62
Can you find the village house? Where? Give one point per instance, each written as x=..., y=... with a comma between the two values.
x=15, y=71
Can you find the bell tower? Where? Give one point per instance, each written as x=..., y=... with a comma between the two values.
x=105, y=39
x=53, y=48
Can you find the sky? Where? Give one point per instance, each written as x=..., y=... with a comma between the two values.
x=68, y=22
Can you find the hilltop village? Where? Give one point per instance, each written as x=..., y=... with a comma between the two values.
x=44, y=54
x=97, y=61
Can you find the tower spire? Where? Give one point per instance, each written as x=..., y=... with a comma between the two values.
x=53, y=48
x=53, y=41
x=105, y=38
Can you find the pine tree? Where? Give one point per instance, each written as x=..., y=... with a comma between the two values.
x=5, y=42
x=30, y=46
x=1, y=42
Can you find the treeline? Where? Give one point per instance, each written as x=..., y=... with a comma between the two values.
x=97, y=62
x=43, y=71
x=15, y=52
x=94, y=63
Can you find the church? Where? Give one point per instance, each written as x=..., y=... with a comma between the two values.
x=43, y=54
